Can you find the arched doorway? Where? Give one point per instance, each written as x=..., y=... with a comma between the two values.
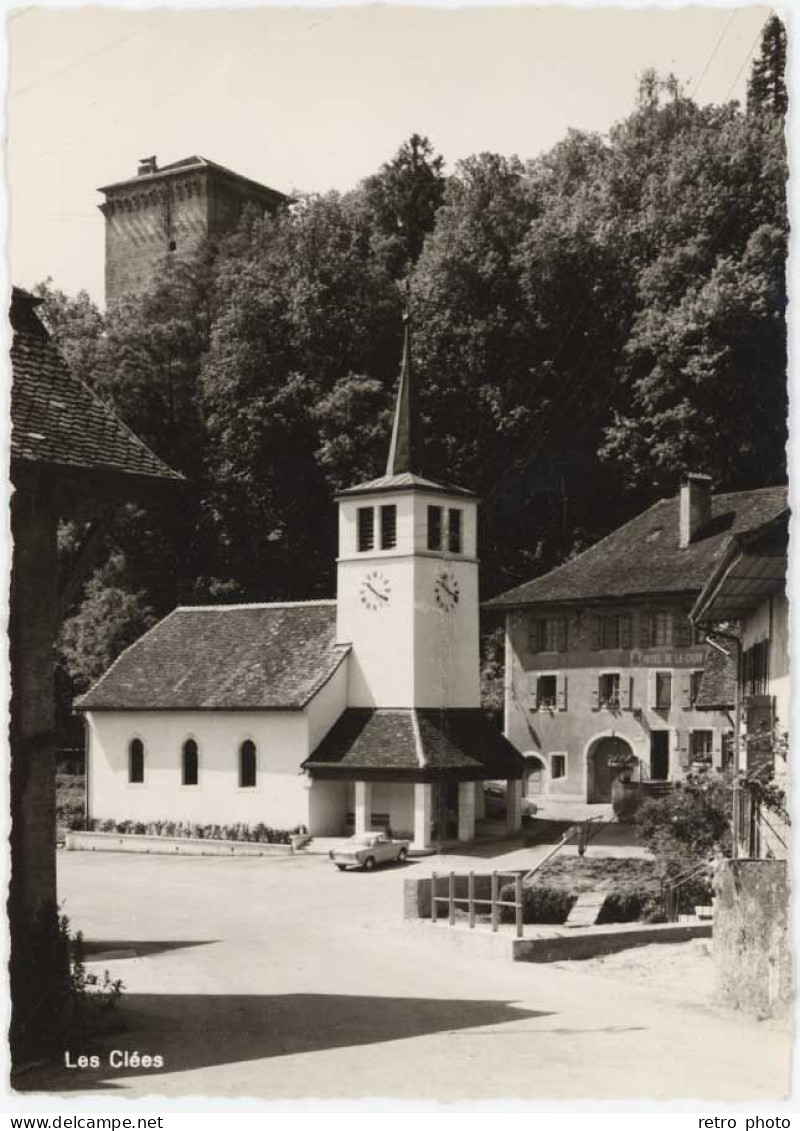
x=533, y=782
x=608, y=758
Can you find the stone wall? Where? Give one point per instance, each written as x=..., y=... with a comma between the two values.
x=752, y=956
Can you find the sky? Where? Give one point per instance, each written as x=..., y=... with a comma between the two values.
x=313, y=99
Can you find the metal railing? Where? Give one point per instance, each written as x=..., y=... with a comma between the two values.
x=472, y=902
x=676, y=898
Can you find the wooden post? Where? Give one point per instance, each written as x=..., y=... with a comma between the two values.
x=433, y=897
x=518, y=900
x=451, y=898
x=471, y=898
x=494, y=901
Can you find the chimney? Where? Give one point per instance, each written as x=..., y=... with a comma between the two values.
x=695, y=507
x=147, y=165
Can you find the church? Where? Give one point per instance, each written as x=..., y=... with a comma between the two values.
x=341, y=716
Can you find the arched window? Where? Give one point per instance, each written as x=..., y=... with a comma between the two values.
x=189, y=763
x=136, y=761
x=247, y=765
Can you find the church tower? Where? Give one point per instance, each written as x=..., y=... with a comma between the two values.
x=407, y=578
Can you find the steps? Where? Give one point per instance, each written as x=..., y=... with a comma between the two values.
x=586, y=909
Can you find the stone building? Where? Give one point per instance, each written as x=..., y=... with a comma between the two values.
x=355, y=713
x=165, y=214
x=605, y=672
x=71, y=457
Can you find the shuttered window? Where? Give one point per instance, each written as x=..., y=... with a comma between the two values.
x=663, y=691
x=388, y=527
x=614, y=631
x=547, y=634
x=434, y=528
x=700, y=745
x=366, y=529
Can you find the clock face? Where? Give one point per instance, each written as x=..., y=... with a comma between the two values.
x=375, y=590
x=446, y=591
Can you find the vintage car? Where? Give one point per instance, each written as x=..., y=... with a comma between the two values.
x=494, y=796
x=368, y=849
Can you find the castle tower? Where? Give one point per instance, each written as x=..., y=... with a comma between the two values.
x=163, y=215
x=407, y=592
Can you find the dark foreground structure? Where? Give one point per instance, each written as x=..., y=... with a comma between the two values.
x=71, y=457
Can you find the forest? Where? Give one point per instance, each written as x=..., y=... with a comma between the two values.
x=588, y=325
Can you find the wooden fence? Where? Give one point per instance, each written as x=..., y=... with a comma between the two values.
x=472, y=902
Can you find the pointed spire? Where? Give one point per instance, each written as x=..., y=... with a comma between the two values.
x=405, y=451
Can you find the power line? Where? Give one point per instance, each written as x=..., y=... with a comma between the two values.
x=712, y=56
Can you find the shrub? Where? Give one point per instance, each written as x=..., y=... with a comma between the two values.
x=626, y=805
x=540, y=904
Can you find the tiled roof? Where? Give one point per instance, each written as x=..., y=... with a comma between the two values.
x=187, y=164
x=415, y=744
x=405, y=481
x=643, y=557
x=718, y=681
x=225, y=657
x=56, y=419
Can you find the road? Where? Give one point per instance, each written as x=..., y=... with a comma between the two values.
x=285, y=979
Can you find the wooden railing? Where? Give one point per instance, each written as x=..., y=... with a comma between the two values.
x=472, y=902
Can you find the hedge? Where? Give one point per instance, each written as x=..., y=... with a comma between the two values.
x=255, y=834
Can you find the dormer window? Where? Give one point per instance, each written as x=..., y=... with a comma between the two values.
x=366, y=529
x=454, y=530
x=388, y=527
x=434, y=528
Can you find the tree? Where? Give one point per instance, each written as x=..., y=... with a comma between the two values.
x=403, y=197
x=766, y=87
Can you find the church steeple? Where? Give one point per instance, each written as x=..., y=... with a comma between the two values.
x=405, y=450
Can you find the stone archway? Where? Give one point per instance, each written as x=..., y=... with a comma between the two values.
x=607, y=758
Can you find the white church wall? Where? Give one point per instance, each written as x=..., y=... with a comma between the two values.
x=397, y=800
x=326, y=706
x=279, y=798
x=447, y=672
x=327, y=814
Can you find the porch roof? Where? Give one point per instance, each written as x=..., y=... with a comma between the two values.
x=415, y=744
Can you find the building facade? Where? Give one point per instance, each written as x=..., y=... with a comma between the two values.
x=337, y=715
x=747, y=587
x=605, y=672
x=164, y=215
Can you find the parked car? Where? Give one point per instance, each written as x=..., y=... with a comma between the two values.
x=495, y=803
x=368, y=849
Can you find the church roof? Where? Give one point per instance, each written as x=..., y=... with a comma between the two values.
x=415, y=744
x=644, y=558
x=58, y=421
x=406, y=481
x=225, y=658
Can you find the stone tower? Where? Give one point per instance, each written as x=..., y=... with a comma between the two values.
x=165, y=214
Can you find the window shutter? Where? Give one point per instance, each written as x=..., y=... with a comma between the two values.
x=682, y=631
x=625, y=692
x=594, y=697
x=533, y=697
x=682, y=746
x=596, y=633
x=685, y=690
x=644, y=630
x=561, y=634
x=651, y=689
x=716, y=749
x=625, y=633
x=561, y=691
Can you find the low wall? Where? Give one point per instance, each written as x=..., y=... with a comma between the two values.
x=170, y=845
x=752, y=956
x=590, y=942
x=417, y=893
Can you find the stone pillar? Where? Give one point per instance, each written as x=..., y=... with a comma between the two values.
x=423, y=809
x=363, y=807
x=513, y=806
x=466, y=810
x=480, y=801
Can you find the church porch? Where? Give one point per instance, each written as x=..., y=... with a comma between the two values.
x=418, y=773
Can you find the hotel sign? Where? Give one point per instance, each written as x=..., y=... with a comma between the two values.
x=617, y=658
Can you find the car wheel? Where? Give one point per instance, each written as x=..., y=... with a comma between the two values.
x=341, y=867
x=369, y=863
x=402, y=856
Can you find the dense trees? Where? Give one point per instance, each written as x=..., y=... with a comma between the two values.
x=587, y=326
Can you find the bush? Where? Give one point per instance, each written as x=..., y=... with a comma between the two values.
x=255, y=834
x=633, y=890
x=626, y=805
x=540, y=904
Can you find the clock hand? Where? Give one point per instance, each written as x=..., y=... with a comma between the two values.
x=380, y=596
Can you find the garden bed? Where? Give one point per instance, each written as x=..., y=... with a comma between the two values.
x=77, y=841
x=632, y=887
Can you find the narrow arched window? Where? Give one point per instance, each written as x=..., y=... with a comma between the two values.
x=189, y=762
x=247, y=765
x=136, y=761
